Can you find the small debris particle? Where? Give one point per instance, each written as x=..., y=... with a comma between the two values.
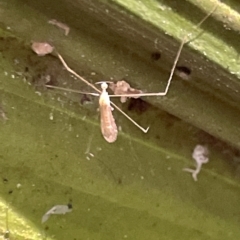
x=60, y=25
x=200, y=155
x=5, y=180
x=3, y=115
x=123, y=88
x=51, y=116
x=42, y=48
x=19, y=185
x=38, y=93
x=57, y=209
x=6, y=235
x=16, y=61
x=85, y=99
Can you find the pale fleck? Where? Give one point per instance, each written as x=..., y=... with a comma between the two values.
x=60, y=25
x=51, y=116
x=3, y=114
x=38, y=93
x=200, y=155
x=42, y=48
x=57, y=209
x=16, y=61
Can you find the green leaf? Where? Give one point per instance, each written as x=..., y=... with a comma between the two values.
x=52, y=151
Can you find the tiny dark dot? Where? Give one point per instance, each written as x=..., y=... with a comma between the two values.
x=6, y=235
x=69, y=206
x=5, y=180
x=154, y=224
x=155, y=56
x=10, y=191
x=26, y=69
x=119, y=181
x=183, y=72
x=184, y=69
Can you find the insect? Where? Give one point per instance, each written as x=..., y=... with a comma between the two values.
x=57, y=209
x=108, y=125
x=200, y=155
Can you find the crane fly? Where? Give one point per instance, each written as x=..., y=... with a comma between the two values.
x=108, y=125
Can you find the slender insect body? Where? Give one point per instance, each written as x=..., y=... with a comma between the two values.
x=108, y=125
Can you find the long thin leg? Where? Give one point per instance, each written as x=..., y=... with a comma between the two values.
x=76, y=75
x=184, y=41
x=145, y=130
x=71, y=90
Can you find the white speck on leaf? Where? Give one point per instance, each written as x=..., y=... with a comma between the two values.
x=51, y=116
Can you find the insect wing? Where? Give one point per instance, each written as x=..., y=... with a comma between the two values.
x=108, y=125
